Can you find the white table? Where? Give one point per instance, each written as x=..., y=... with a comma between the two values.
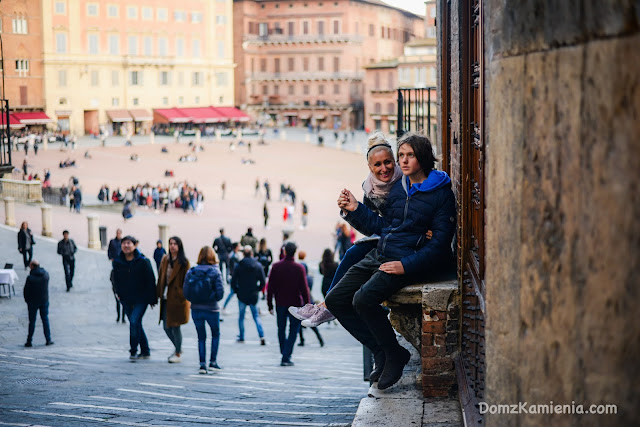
x=7, y=278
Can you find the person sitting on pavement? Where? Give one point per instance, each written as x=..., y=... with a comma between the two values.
x=383, y=174
x=288, y=285
x=247, y=281
x=203, y=288
x=420, y=201
x=36, y=295
x=135, y=286
x=174, y=308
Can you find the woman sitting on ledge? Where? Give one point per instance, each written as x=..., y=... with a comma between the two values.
x=422, y=200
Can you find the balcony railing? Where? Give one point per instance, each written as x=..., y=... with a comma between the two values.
x=292, y=76
x=303, y=38
x=415, y=110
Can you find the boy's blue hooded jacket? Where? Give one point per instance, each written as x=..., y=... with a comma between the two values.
x=410, y=211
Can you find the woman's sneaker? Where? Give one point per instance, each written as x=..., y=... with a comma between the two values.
x=321, y=316
x=174, y=358
x=215, y=366
x=305, y=312
x=203, y=369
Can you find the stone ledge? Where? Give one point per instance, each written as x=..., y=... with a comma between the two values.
x=403, y=404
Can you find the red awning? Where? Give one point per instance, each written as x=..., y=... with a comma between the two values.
x=141, y=115
x=13, y=122
x=204, y=115
x=171, y=115
x=118, y=116
x=232, y=113
x=32, y=118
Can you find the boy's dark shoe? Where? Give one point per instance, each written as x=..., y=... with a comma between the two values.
x=393, y=366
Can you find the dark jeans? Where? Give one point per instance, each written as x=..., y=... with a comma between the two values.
x=173, y=332
x=213, y=319
x=286, y=342
x=356, y=299
x=69, y=265
x=27, y=256
x=354, y=255
x=44, y=316
x=136, y=333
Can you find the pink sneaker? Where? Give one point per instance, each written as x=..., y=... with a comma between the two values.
x=303, y=313
x=321, y=316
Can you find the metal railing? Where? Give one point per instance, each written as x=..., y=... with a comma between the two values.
x=21, y=191
x=302, y=38
x=416, y=110
x=5, y=137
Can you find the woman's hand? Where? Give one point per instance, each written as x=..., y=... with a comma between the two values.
x=347, y=201
x=393, y=267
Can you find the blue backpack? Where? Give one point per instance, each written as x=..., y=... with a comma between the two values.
x=199, y=287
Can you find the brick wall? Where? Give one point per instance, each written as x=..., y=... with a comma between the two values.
x=439, y=347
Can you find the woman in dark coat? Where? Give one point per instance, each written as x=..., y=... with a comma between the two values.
x=25, y=243
x=174, y=308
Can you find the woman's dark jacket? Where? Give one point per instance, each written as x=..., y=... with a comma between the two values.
x=36, y=289
x=213, y=272
x=134, y=281
x=25, y=239
x=410, y=211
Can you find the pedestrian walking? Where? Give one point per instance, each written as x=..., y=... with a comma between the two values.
x=174, y=308
x=67, y=248
x=301, y=260
x=265, y=214
x=257, y=188
x=234, y=260
x=72, y=203
x=267, y=190
x=223, y=187
x=247, y=281
x=25, y=243
x=77, y=199
x=158, y=254
x=305, y=213
x=288, y=285
x=265, y=258
x=36, y=295
x=249, y=239
x=113, y=252
x=135, y=286
x=222, y=246
x=203, y=288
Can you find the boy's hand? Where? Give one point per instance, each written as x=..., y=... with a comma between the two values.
x=392, y=267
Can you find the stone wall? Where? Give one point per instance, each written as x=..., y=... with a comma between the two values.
x=562, y=124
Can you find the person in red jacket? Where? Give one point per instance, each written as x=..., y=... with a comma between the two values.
x=288, y=284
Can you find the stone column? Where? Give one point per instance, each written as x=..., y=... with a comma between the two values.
x=198, y=136
x=339, y=144
x=152, y=137
x=307, y=138
x=45, y=143
x=163, y=230
x=218, y=135
x=94, y=236
x=283, y=135
x=9, y=211
x=46, y=220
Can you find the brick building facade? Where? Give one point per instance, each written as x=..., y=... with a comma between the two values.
x=301, y=62
x=21, y=28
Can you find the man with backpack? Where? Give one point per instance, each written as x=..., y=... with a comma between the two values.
x=247, y=281
x=203, y=288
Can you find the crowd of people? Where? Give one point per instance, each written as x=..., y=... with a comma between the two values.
x=180, y=195
x=408, y=215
